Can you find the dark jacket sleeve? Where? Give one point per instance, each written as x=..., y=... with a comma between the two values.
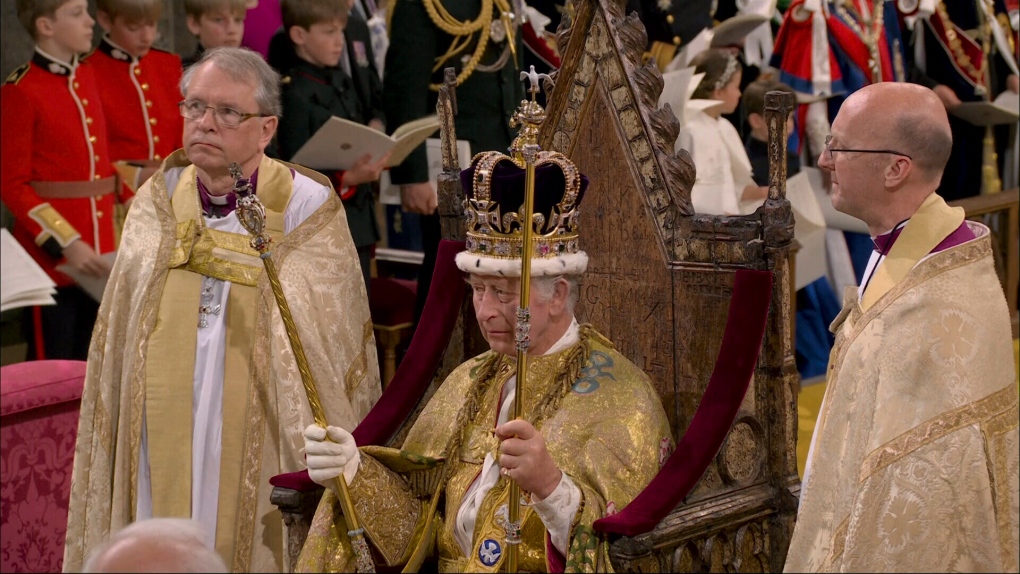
x=295, y=126
x=409, y=61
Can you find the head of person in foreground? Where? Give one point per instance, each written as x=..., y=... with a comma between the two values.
x=157, y=545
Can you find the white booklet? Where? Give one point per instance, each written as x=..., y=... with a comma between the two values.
x=339, y=143
x=389, y=193
x=23, y=283
x=94, y=286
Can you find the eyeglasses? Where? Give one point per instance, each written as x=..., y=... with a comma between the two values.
x=194, y=110
x=828, y=142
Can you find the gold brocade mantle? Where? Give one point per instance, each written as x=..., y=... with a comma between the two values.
x=609, y=434
x=915, y=462
x=321, y=276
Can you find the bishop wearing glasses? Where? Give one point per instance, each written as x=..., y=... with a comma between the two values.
x=193, y=398
x=913, y=466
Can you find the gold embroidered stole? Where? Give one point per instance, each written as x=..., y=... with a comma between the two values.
x=169, y=389
x=933, y=222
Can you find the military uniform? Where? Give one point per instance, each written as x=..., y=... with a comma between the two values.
x=139, y=98
x=485, y=100
x=311, y=95
x=59, y=184
x=671, y=25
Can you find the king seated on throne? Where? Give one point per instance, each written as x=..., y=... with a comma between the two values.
x=588, y=440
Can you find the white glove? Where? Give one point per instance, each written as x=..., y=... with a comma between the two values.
x=327, y=459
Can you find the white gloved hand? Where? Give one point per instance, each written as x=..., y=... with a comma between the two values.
x=327, y=459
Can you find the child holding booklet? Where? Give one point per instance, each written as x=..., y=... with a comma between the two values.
x=140, y=84
x=318, y=87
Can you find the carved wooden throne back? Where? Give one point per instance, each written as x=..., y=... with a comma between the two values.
x=658, y=285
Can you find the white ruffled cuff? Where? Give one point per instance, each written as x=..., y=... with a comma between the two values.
x=557, y=511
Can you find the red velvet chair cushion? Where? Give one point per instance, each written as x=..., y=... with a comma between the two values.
x=39, y=403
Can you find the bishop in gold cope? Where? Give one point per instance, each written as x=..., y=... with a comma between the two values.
x=591, y=433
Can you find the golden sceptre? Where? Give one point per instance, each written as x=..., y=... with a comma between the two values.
x=252, y=215
x=523, y=151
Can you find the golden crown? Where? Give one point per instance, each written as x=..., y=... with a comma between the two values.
x=493, y=210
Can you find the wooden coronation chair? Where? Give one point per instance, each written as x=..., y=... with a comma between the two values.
x=659, y=284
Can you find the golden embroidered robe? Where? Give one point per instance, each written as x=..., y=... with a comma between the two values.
x=142, y=358
x=609, y=434
x=914, y=462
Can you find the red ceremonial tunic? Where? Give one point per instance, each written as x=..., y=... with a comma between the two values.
x=139, y=98
x=55, y=170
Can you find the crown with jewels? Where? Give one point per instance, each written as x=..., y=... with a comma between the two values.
x=494, y=187
x=494, y=207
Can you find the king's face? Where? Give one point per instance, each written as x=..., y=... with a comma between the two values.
x=496, y=300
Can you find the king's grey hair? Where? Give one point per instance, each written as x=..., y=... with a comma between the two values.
x=545, y=286
x=244, y=66
x=183, y=533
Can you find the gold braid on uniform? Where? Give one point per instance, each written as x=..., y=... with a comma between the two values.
x=463, y=32
x=574, y=362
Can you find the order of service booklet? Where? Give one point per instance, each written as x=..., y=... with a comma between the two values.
x=23, y=282
x=339, y=143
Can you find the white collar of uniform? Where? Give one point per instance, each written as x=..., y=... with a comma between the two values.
x=56, y=65
x=118, y=52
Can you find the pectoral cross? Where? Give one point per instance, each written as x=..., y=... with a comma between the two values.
x=206, y=308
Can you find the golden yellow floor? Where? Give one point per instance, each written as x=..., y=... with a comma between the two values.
x=810, y=400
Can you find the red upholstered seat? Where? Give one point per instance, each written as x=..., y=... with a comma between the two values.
x=39, y=402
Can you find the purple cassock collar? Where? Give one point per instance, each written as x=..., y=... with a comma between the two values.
x=883, y=243
x=223, y=205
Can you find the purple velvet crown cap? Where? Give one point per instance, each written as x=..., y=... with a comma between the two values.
x=507, y=188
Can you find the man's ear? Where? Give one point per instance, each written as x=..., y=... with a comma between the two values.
x=194, y=26
x=104, y=21
x=898, y=172
x=268, y=131
x=561, y=291
x=298, y=35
